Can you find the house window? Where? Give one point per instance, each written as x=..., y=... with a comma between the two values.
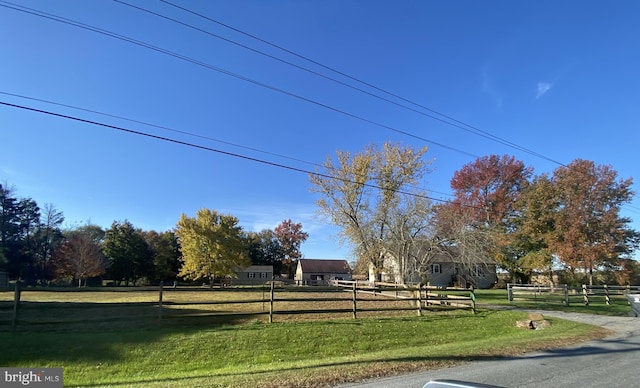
x=477, y=271
x=435, y=268
x=263, y=275
x=252, y=275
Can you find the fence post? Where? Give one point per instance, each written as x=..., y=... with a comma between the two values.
x=16, y=305
x=355, y=298
x=419, y=299
x=585, y=297
x=606, y=295
x=566, y=295
x=271, y=304
x=473, y=298
x=509, y=292
x=160, y=301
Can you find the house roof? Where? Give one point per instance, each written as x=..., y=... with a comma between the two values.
x=456, y=258
x=324, y=266
x=257, y=268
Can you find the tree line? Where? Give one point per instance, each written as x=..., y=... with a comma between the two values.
x=36, y=249
x=565, y=223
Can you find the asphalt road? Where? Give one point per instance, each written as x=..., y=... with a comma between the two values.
x=610, y=362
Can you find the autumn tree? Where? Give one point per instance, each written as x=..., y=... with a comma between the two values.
x=534, y=225
x=361, y=193
x=212, y=245
x=129, y=255
x=589, y=231
x=79, y=257
x=290, y=236
x=485, y=195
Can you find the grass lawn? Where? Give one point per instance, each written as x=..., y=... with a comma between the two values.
x=203, y=352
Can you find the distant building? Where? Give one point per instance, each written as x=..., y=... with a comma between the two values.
x=321, y=271
x=443, y=270
x=253, y=275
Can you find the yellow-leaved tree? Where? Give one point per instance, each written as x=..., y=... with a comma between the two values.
x=212, y=245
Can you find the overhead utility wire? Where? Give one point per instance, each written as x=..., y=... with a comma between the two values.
x=160, y=127
x=476, y=130
x=453, y=122
x=205, y=148
x=222, y=71
x=188, y=133
x=464, y=128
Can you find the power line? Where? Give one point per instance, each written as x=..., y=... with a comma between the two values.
x=205, y=148
x=224, y=71
x=227, y=153
x=453, y=122
x=211, y=67
x=186, y=133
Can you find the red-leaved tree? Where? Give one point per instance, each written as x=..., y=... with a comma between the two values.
x=290, y=236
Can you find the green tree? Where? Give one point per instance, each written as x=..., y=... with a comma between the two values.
x=360, y=194
x=212, y=245
x=265, y=249
x=9, y=227
x=19, y=222
x=130, y=258
x=290, y=236
x=165, y=251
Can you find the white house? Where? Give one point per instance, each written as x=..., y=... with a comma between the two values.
x=253, y=275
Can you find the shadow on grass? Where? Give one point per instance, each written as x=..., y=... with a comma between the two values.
x=67, y=332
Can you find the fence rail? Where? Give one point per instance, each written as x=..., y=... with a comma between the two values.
x=427, y=297
x=350, y=298
x=585, y=294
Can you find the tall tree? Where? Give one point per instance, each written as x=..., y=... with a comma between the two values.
x=129, y=255
x=290, y=236
x=29, y=218
x=165, y=251
x=48, y=237
x=79, y=257
x=488, y=187
x=212, y=245
x=411, y=237
x=19, y=221
x=486, y=193
x=534, y=226
x=9, y=225
x=589, y=231
x=360, y=192
x=265, y=249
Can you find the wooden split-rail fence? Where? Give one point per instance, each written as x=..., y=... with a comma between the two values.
x=565, y=295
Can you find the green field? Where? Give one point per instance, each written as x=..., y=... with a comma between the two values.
x=207, y=351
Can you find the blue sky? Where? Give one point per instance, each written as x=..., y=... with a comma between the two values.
x=559, y=78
